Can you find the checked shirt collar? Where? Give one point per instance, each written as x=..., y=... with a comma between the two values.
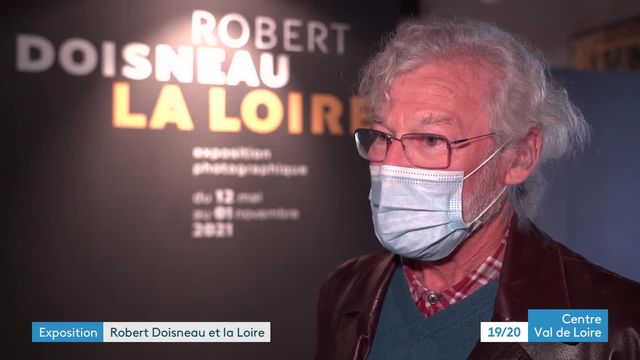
x=429, y=302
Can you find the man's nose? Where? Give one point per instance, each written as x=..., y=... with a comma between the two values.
x=396, y=155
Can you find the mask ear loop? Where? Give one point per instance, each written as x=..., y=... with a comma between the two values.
x=475, y=222
x=485, y=161
x=488, y=207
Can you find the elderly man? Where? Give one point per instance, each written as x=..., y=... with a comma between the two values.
x=464, y=116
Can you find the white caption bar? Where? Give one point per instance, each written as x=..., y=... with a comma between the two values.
x=504, y=331
x=187, y=332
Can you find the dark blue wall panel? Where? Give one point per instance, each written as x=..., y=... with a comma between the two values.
x=592, y=200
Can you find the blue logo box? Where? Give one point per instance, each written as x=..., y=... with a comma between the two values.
x=569, y=325
x=66, y=332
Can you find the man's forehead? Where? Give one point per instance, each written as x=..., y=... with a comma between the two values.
x=451, y=77
x=422, y=118
x=434, y=119
x=439, y=93
x=416, y=122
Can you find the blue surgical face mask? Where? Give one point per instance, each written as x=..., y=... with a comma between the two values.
x=417, y=213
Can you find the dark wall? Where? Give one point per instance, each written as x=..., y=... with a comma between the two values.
x=592, y=201
x=100, y=218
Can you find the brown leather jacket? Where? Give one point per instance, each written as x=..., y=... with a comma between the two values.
x=537, y=273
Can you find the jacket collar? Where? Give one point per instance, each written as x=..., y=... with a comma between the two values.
x=532, y=277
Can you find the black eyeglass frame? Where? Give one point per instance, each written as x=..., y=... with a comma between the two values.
x=389, y=138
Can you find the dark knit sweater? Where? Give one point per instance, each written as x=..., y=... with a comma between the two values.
x=404, y=333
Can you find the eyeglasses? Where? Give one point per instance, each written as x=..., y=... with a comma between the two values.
x=423, y=150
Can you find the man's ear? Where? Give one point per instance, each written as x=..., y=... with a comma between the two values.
x=524, y=158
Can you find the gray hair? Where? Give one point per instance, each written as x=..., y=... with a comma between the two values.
x=525, y=97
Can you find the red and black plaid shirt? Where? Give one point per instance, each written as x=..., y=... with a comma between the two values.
x=430, y=302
